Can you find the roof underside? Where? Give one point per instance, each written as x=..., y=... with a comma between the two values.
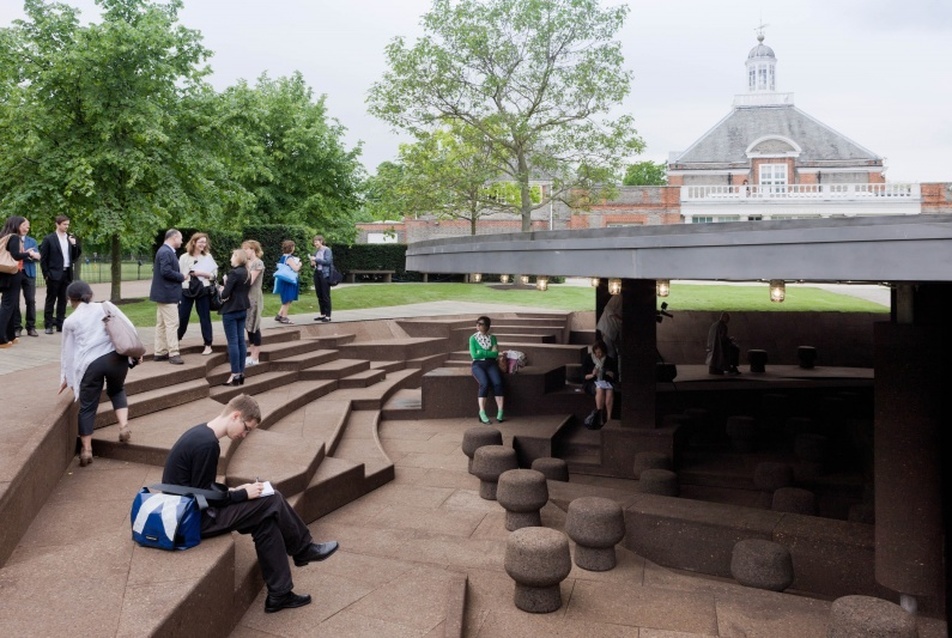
x=881, y=249
x=727, y=142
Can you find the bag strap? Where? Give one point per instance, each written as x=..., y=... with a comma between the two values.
x=201, y=496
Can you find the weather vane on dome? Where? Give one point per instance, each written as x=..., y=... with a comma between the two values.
x=760, y=30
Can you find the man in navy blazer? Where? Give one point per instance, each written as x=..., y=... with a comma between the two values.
x=58, y=252
x=166, y=292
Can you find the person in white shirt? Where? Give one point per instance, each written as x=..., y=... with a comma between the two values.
x=88, y=359
x=197, y=263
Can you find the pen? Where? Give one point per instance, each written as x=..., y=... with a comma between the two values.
x=257, y=480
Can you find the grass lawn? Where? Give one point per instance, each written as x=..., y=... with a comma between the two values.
x=559, y=297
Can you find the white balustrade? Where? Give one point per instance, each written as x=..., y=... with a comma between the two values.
x=787, y=192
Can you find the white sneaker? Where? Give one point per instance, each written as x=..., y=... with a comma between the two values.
x=250, y=362
x=207, y=351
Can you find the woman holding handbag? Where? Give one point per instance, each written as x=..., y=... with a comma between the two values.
x=14, y=230
x=89, y=359
x=256, y=296
x=286, y=289
x=200, y=270
x=234, y=312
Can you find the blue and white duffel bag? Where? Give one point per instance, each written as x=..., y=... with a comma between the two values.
x=167, y=521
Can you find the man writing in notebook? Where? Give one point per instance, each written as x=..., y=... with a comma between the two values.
x=277, y=529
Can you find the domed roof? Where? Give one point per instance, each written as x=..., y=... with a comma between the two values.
x=761, y=50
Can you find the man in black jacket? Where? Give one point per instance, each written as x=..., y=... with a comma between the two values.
x=166, y=292
x=58, y=252
x=277, y=529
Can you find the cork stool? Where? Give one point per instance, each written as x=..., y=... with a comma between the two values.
x=538, y=559
x=651, y=461
x=476, y=437
x=762, y=564
x=757, y=359
x=489, y=462
x=806, y=357
x=522, y=493
x=661, y=482
x=869, y=617
x=552, y=468
x=794, y=500
x=596, y=525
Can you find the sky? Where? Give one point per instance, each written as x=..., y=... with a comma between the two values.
x=877, y=71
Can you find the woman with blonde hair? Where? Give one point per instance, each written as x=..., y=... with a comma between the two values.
x=234, y=312
x=287, y=291
x=256, y=296
x=197, y=264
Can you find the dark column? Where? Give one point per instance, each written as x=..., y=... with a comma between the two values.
x=639, y=356
x=911, y=387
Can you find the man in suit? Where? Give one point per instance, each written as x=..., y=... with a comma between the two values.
x=58, y=252
x=166, y=292
x=277, y=530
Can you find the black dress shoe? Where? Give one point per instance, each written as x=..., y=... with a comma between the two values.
x=49, y=331
x=315, y=552
x=32, y=332
x=176, y=360
x=289, y=600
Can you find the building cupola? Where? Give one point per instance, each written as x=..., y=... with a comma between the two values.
x=761, y=67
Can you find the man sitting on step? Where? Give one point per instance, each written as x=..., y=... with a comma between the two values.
x=277, y=529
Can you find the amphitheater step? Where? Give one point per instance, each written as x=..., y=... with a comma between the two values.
x=361, y=444
x=390, y=349
x=255, y=384
x=279, y=402
x=374, y=397
x=322, y=419
x=287, y=460
x=388, y=366
x=152, y=376
x=427, y=363
x=336, y=483
x=154, y=400
x=404, y=405
x=334, y=369
x=362, y=379
x=303, y=360
x=288, y=349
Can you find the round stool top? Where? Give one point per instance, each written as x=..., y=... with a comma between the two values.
x=522, y=490
x=478, y=436
x=489, y=461
x=538, y=556
x=594, y=521
x=552, y=468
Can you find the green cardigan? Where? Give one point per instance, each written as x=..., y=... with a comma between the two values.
x=478, y=352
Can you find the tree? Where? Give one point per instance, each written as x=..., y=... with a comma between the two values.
x=531, y=77
x=111, y=123
x=306, y=175
x=646, y=173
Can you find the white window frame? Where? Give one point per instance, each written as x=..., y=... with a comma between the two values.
x=772, y=178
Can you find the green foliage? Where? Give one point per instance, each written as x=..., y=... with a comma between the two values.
x=375, y=257
x=306, y=176
x=531, y=81
x=646, y=173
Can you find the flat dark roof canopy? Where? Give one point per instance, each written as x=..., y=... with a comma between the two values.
x=857, y=249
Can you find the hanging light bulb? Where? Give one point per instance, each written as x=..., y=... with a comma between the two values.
x=595, y=282
x=663, y=287
x=778, y=290
x=542, y=283
x=504, y=279
x=476, y=277
x=524, y=279
x=614, y=286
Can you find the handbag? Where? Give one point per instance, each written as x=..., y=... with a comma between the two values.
x=124, y=337
x=195, y=288
x=286, y=274
x=336, y=277
x=8, y=264
x=214, y=297
x=170, y=516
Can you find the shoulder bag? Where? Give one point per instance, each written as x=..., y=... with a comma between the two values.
x=214, y=297
x=169, y=517
x=123, y=334
x=286, y=274
x=336, y=277
x=8, y=264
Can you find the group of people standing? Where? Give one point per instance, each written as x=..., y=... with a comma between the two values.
x=56, y=254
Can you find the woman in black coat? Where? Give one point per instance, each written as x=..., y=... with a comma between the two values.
x=10, y=283
x=234, y=311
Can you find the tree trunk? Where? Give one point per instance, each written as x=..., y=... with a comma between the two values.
x=115, y=250
x=525, y=197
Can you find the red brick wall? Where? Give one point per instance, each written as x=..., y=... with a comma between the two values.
x=936, y=198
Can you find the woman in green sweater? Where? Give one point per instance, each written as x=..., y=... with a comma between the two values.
x=485, y=351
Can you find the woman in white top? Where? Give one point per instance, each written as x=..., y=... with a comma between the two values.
x=198, y=262
x=88, y=359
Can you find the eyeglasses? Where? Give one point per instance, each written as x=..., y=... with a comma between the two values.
x=480, y=323
x=248, y=428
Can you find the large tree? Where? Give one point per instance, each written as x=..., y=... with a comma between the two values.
x=535, y=78
x=646, y=173
x=307, y=176
x=108, y=122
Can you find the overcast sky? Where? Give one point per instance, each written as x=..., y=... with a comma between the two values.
x=877, y=71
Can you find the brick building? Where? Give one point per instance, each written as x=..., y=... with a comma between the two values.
x=765, y=160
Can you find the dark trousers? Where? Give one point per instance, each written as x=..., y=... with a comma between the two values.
x=56, y=300
x=204, y=316
x=234, y=324
x=487, y=373
x=111, y=368
x=28, y=286
x=323, y=289
x=277, y=530
x=8, y=305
